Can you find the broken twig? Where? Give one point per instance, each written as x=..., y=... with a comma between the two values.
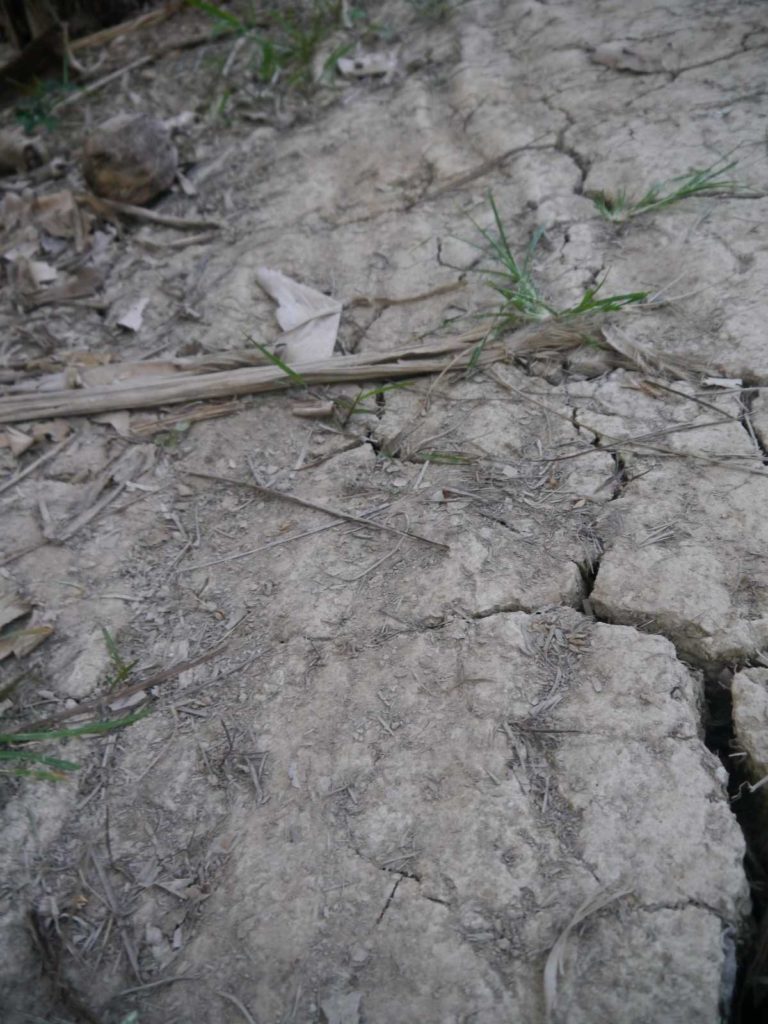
x=269, y=492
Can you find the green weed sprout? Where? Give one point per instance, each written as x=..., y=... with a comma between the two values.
x=713, y=180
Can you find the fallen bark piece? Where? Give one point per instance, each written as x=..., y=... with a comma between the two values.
x=130, y=158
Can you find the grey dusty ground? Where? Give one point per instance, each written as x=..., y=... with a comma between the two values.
x=414, y=785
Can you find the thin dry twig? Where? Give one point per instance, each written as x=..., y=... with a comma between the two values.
x=100, y=83
x=382, y=301
x=57, y=448
x=269, y=492
x=274, y=543
x=96, y=705
x=143, y=214
x=236, y=1002
x=112, y=903
x=157, y=984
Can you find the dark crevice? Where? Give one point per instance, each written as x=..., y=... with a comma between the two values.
x=435, y=899
x=750, y=1001
x=388, y=902
x=746, y=402
x=578, y=158
x=589, y=569
x=620, y=477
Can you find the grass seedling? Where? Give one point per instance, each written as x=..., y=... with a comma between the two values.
x=712, y=180
x=522, y=302
x=18, y=760
x=285, y=39
x=121, y=669
x=278, y=362
x=521, y=299
x=224, y=19
x=431, y=11
x=355, y=405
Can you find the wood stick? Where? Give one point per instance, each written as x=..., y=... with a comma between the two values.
x=150, y=216
x=227, y=384
x=397, y=364
x=37, y=463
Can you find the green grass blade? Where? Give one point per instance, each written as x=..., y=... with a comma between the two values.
x=80, y=730
x=214, y=11
x=278, y=362
x=28, y=755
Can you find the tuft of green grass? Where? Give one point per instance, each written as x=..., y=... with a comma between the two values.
x=348, y=407
x=122, y=669
x=19, y=753
x=36, y=110
x=17, y=760
x=713, y=180
x=521, y=300
x=285, y=39
x=432, y=11
x=279, y=363
x=223, y=19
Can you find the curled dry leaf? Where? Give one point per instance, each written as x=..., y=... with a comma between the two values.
x=23, y=641
x=18, y=640
x=309, y=319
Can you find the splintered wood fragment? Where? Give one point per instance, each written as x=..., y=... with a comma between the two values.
x=269, y=492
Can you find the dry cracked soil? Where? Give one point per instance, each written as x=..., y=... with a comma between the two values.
x=490, y=752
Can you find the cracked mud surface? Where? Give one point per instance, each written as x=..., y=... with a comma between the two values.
x=405, y=770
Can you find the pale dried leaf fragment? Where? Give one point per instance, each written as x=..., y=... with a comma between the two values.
x=23, y=641
x=120, y=421
x=133, y=317
x=42, y=272
x=723, y=382
x=309, y=319
x=16, y=440
x=341, y=1008
x=382, y=64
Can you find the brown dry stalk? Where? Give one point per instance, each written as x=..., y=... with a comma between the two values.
x=456, y=353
